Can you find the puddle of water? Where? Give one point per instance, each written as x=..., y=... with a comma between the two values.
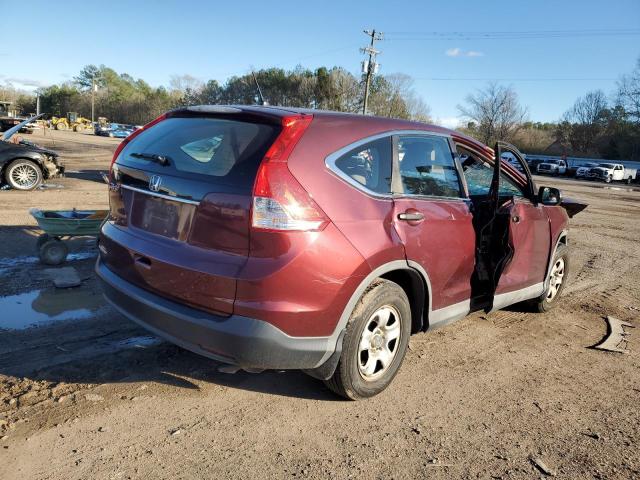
x=42, y=307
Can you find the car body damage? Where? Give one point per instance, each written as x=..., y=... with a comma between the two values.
x=23, y=164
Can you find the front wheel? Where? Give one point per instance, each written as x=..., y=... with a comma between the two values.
x=555, y=281
x=23, y=175
x=375, y=342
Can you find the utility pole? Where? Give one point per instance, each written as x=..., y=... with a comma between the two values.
x=93, y=92
x=369, y=67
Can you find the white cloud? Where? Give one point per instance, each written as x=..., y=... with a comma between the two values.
x=459, y=52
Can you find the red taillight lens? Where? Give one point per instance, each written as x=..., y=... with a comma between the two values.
x=134, y=135
x=279, y=201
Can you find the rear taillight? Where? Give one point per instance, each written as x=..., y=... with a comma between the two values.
x=279, y=201
x=134, y=135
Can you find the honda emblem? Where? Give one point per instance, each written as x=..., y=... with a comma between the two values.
x=154, y=183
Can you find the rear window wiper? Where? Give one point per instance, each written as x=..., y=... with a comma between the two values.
x=154, y=157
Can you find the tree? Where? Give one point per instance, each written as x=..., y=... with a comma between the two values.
x=628, y=94
x=496, y=113
x=588, y=121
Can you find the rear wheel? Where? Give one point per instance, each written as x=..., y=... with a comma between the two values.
x=375, y=342
x=23, y=175
x=556, y=281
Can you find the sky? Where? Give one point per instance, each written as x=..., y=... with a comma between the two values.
x=442, y=45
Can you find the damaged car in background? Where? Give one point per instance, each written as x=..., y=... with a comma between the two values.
x=23, y=164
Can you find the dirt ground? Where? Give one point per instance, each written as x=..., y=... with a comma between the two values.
x=86, y=394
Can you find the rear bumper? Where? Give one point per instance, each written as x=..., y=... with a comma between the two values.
x=242, y=341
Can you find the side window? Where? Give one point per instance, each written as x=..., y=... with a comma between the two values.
x=369, y=165
x=427, y=167
x=478, y=175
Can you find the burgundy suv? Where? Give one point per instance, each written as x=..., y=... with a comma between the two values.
x=275, y=238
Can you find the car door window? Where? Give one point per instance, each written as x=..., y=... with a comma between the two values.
x=369, y=165
x=427, y=166
x=478, y=175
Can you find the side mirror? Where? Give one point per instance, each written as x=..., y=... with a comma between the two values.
x=549, y=196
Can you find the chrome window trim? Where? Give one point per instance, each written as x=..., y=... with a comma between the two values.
x=160, y=195
x=330, y=160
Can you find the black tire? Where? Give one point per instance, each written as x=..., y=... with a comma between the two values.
x=348, y=381
x=544, y=303
x=53, y=252
x=42, y=239
x=629, y=181
x=13, y=174
x=608, y=179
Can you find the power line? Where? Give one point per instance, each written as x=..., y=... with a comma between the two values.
x=369, y=67
x=510, y=35
x=478, y=79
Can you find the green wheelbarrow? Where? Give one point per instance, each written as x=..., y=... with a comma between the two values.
x=60, y=224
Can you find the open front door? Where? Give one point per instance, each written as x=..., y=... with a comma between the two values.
x=497, y=216
x=491, y=224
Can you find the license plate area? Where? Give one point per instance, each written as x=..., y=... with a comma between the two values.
x=163, y=217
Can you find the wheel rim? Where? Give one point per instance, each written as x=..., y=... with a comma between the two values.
x=555, y=279
x=24, y=175
x=379, y=342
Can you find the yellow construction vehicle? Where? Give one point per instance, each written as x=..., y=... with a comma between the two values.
x=72, y=121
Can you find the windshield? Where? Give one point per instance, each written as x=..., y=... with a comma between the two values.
x=608, y=165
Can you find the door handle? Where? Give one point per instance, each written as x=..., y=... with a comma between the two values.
x=144, y=262
x=411, y=216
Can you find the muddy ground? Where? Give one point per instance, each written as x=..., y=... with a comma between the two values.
x=86, y=394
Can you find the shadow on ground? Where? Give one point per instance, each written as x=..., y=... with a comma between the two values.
x=80, y=352
x=88, y=175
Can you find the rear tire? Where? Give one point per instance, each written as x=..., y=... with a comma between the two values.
x=375, y=342
x=556, y=281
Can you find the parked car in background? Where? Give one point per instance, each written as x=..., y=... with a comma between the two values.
x=116, y=130
x=120, y=131
x=234, y=233
x=101, y=129
x=552, y=167
x=612, y=172
x=24, y=165
x=583, y=170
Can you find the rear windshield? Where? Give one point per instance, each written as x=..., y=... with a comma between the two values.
x=228, y=151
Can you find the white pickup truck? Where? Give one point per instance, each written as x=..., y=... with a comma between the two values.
x=612, y=172
x=552, y=167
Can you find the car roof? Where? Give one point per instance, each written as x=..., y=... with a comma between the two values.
x=377, y=123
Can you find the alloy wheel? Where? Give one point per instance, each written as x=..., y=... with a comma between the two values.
x=25, y=176
x=379, y=342
x=555, y=278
